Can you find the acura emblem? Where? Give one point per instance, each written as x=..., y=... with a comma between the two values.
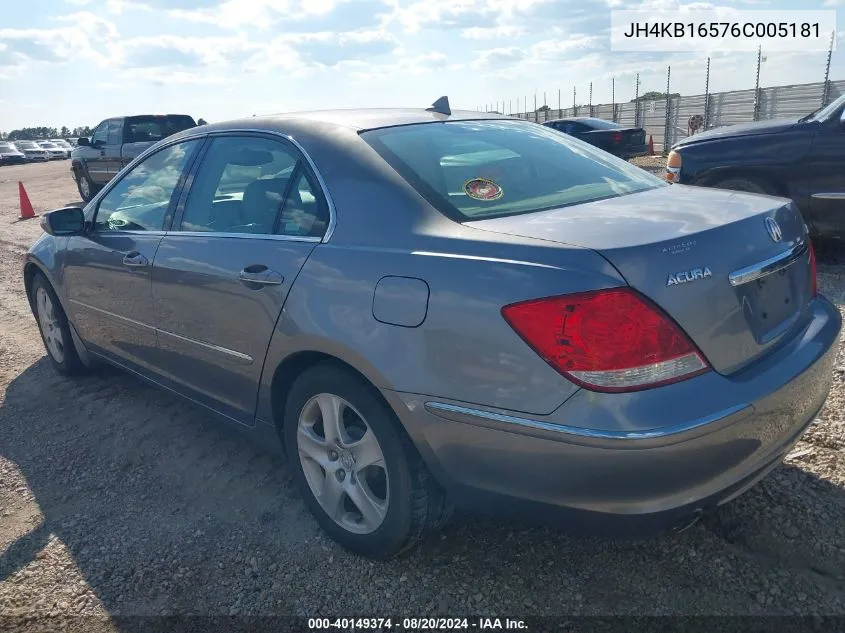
x=774, y=230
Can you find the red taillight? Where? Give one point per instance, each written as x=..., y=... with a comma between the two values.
x=813, y=273
x=617, y=137
x=606, y=340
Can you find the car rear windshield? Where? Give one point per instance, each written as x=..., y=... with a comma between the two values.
x=599, y=124
x=146, y=129
x=470, y=170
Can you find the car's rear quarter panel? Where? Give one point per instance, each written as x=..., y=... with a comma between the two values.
x=464, y=350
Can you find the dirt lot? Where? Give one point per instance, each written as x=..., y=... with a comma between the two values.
x=118, y=499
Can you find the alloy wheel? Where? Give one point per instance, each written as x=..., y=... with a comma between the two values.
x=84, y=187
x=49, y=324
x=343, y=463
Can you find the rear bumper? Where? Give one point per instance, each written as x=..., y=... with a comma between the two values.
x=642, y=460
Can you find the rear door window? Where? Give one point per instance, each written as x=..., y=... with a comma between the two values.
x=153, y=128
x=254, y=185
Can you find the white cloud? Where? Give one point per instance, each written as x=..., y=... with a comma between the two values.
x=490, y=33
x=329, y=49
x=834, y=3
x=500, y=57
x=565, y=48
x=462, y=14
x=404, y=66
x=117, y=7
x=87, y=37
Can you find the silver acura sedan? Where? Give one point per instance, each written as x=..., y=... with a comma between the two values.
x=427, y=309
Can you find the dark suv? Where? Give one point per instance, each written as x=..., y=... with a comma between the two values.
x=115, y=143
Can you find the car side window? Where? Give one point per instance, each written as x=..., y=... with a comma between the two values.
x=101, y=133
x=114, y=130
x=253, y=185
x=140, y=199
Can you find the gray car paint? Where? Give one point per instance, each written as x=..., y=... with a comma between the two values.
x=521, y=430
x=722, y=230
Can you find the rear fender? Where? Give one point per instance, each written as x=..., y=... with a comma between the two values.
x=460, y=348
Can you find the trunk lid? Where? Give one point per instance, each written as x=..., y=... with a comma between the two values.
x=621, y=139
x=697, y=253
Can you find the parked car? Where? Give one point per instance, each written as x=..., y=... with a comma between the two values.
x=56, y=152
x=63, y=144
x=115, y=142
x=431, y=308
x=625, y=142
x=10, y=155
x=33, y=151
x=802, y=159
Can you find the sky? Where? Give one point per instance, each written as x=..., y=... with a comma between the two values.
x=76, y=62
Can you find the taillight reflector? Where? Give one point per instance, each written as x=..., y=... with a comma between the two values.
x=607, y=340
x=617, y=137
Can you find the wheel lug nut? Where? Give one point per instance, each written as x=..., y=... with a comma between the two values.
x=341, y=475
x=333, y=455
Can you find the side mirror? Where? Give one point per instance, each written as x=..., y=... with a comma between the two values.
x=83, y=142
x=61, y=222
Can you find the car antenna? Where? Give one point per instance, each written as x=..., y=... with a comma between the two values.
x=441, y=106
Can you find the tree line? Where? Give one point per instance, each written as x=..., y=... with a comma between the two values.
x=43, y=132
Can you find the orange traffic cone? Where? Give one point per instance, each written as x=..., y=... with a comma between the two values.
x=650, y=145
x=27, y=211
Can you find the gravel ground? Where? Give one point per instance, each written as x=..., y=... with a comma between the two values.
x=119, y=499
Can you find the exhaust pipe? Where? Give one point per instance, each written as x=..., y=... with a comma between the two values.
x=686, y=522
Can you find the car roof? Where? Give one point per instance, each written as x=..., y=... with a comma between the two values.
x=359, y=119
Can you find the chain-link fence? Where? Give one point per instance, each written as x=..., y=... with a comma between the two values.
x=716, y=109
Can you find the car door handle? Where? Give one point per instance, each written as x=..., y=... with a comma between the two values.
x=102, y=152
x=135, y=260
x=260, y=274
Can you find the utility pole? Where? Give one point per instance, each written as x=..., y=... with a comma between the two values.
x=637, y=102
x=613, y=96
x=667, y=142
x=591, y=98
x=757, y=85
x=826, y=90
x=574, y=107
x=707, y=94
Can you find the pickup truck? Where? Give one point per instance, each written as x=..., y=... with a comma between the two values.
x=115, y=142
x=802, y=159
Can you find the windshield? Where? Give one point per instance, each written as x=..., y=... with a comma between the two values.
x=6, y=147
x=27, y=145
x=48, y=145
x=471, y=170
x=823, y=113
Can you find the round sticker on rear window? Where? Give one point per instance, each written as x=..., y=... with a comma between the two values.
x=483, y=189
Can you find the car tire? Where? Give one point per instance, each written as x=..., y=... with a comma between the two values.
x=747, y=185
x=54, y=328
x=401, y=502
x=87, y=189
